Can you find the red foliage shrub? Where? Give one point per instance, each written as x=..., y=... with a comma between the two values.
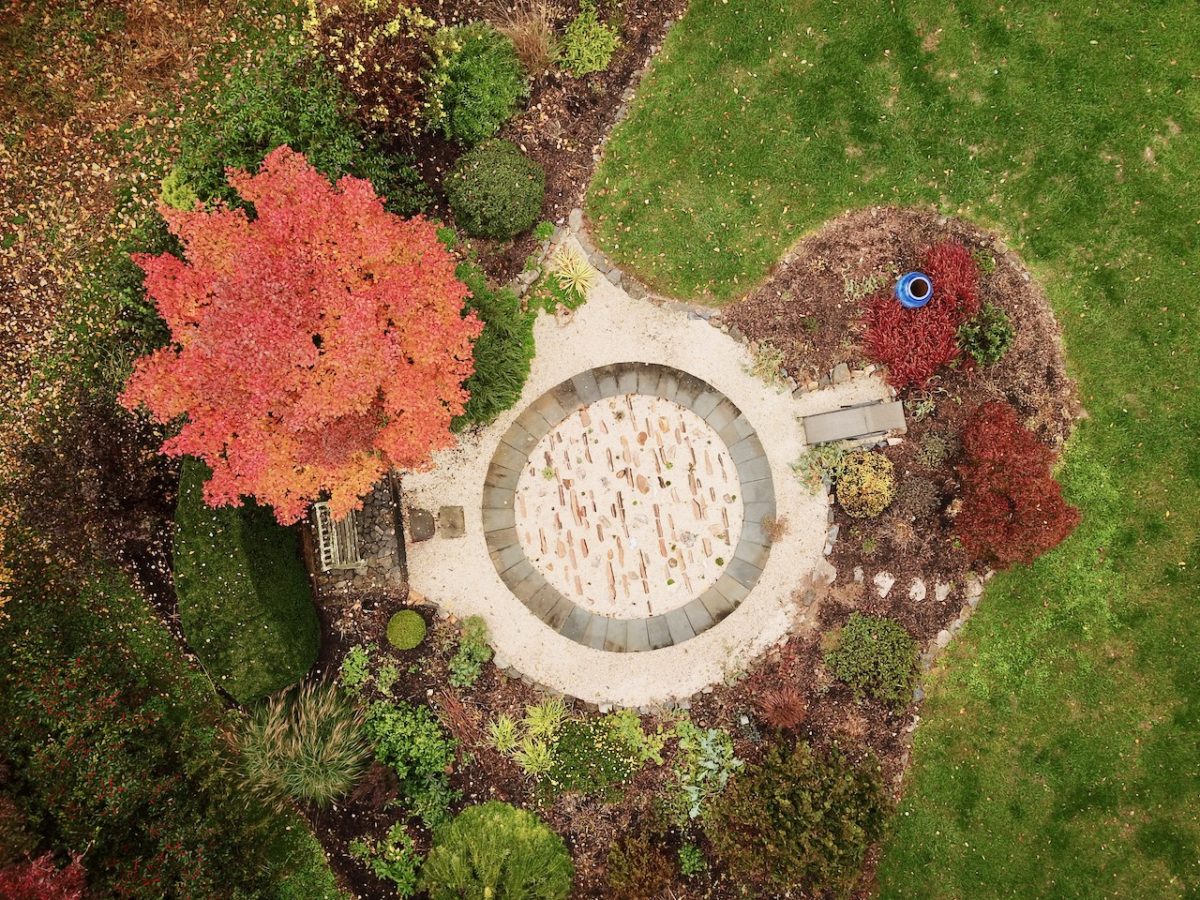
x=914, y=343
x=38, y=879
x=314, y=346
x=1012, y=508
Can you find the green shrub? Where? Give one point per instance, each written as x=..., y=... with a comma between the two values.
x=798, y=821
x=691, y=860
x=283, y=98
x=473, y=651
x=115, y=743
x=393, y=859
x=876, y=657
x=498, y=851
x=306, y=745
x=482, y=84
x=503, y=351
x=866, y=484
x=176, y=192
x=820, y=464
x=589, y=758
x=987, y=335
x=588, y=44
x=386, y=678
x=356, y=668
x=639, y=867
x=409, y=739
x=406, y=629
x=245, y=604
x=495, y=191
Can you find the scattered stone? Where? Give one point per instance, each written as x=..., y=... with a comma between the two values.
x=974, y=590
x=870, y=370
x=943, y=638
x=895, y=441
x=824, y=382
x=605, y=708
x=601, y=263
x=918, y=694
x=840, y=373
x=916, y=592
x=883, y=582
x=736, y=333
x=858, y=575
x=833, y=534
x=420, y=524
x=529, y=277
x=451, y=522
x=941, y=592
x=825, y=573
x=614, y=275
x=575, y=220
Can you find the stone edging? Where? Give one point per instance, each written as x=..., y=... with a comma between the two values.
x=548, y=604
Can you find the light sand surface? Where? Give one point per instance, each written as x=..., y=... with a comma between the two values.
x=611, y=327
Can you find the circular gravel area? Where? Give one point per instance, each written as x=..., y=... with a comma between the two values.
x=627, y=507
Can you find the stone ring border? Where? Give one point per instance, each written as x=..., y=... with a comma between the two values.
x=568, y=618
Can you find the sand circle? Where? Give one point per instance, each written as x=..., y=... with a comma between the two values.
x=629, y=507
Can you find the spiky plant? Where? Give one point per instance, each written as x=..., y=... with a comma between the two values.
x=504, y=734
x=543, y=721
x=534, y=757
x=784, y=707
x=574, y=273
x=305, y=745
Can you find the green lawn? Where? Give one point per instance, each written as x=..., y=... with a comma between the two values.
x=244, y=599
x=1060, y=752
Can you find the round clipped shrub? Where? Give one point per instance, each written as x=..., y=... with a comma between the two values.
x=987, y=335
x=496, y=850
x=305, y=745
x=482, y=84
x=406, y=629
x=496, y=191
x=866, y=484
x=876, y=657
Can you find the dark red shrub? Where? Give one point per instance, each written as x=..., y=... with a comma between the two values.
x=1012, y=508
x=39, y=879
x=914, y=343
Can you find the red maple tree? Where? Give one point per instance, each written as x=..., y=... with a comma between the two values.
x=1012, y=508
x=914, y=343
x=313, y=345
x=39, y=879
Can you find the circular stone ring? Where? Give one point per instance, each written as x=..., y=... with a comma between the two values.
x=629, y=507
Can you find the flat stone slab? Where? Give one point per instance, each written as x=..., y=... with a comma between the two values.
x=451, y=522
x=854, y=422
x=420, y=524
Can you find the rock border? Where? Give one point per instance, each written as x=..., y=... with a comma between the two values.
x=563, y=615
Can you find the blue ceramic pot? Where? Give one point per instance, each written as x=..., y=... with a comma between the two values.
x=914, y=290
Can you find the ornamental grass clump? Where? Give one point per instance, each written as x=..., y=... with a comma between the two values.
x=496, y=850
x=406, y=629
x=866, y=484
x=306, y=745
x=876, y=657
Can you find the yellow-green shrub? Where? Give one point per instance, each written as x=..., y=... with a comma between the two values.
x=866, y=485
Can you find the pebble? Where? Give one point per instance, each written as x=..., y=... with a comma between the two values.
x=601, y=263
x=614, y=275
x=918, y=693
x=883, y=582
x=840, y=373
x=943, y=638
x=575, y=220
x=858, y=575
x=941, y=592
x=916, y=592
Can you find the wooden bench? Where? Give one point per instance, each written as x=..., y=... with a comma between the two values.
x=853, y=423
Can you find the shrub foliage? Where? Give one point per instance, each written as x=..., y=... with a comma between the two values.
x=987, y=335
x=914, y=343
x=866, y=484
x=359, y=346
x=495, y=191
x=245, y=604
x=406, y=629
x=496, y=850
x=876, y=657
x=798, y=821
x=588, y=44
x=482, y=84
x=1012, y=508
